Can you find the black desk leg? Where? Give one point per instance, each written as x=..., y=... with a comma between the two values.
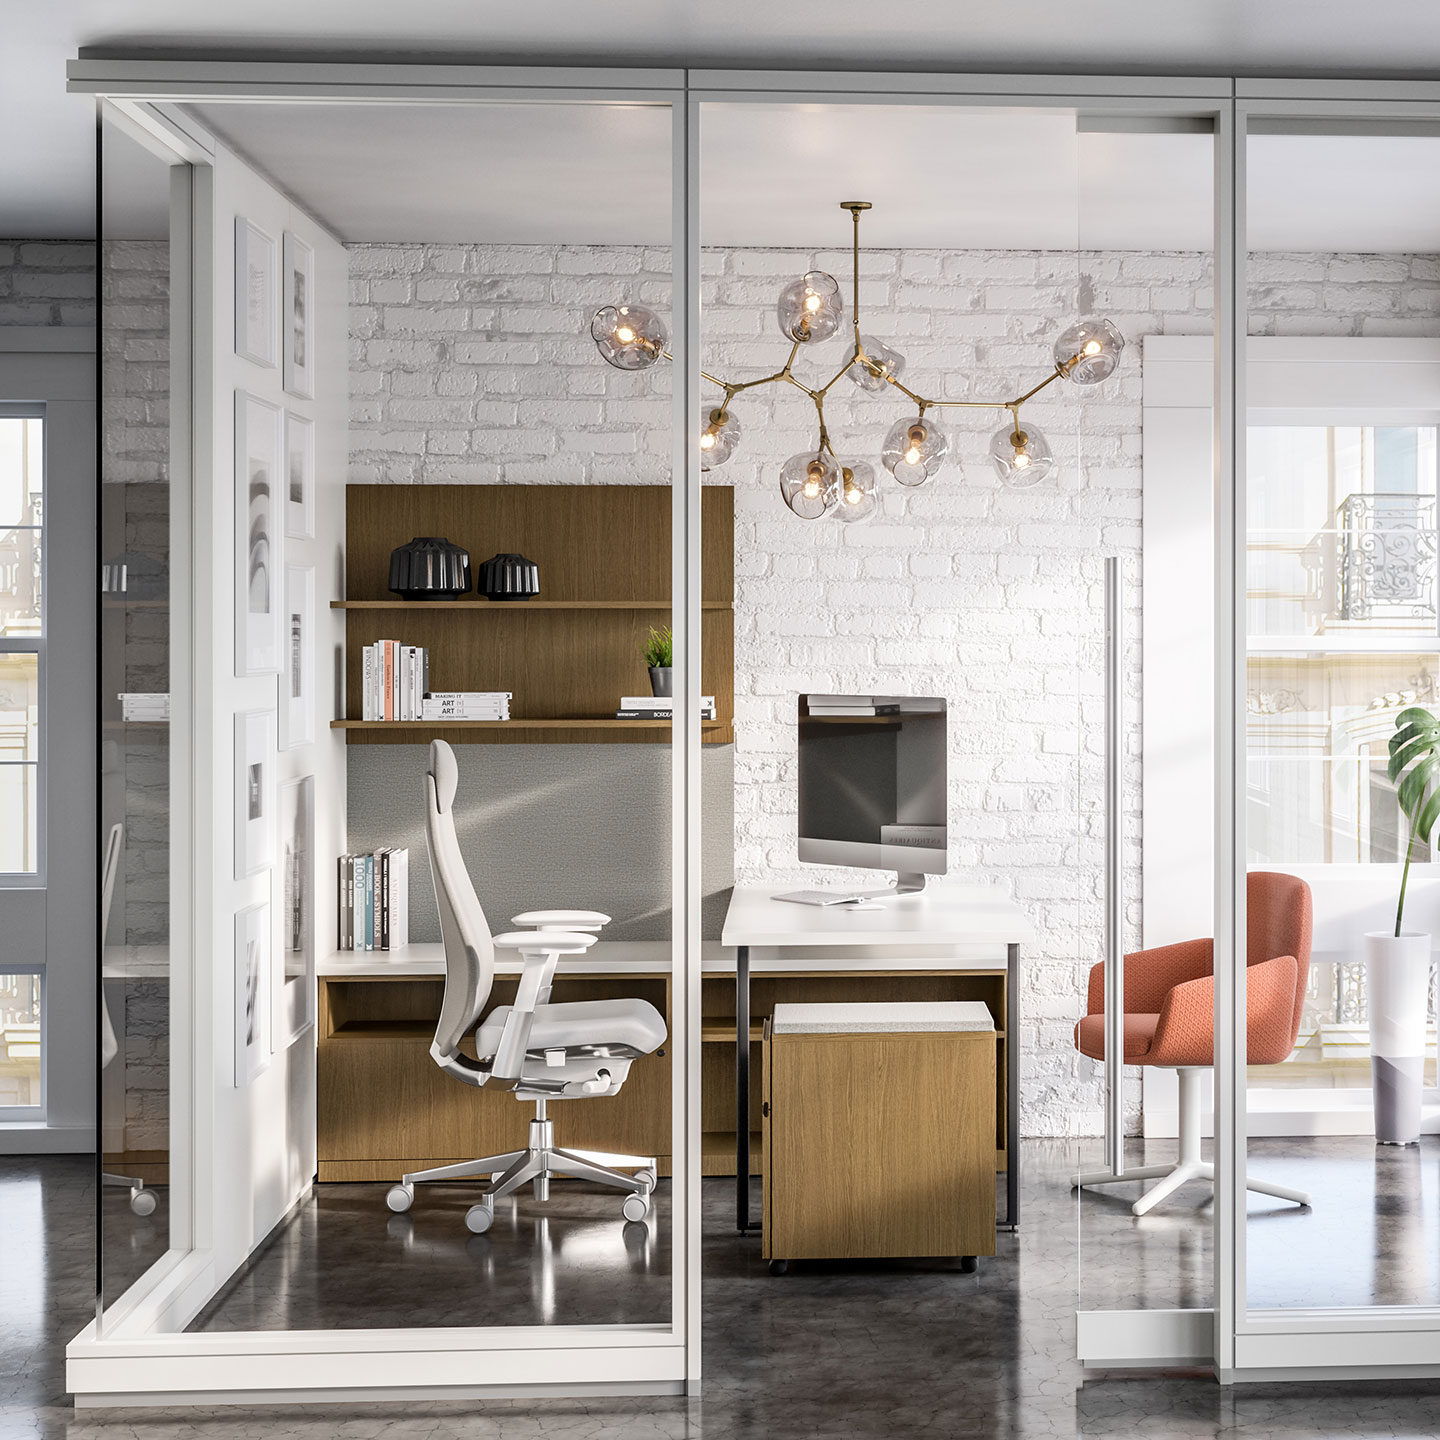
x=742, y=1088
x=1012, y=1091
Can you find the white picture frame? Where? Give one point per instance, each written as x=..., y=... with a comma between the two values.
x=298, y=317
x=252, y=992
x=259, y=539
x=255, y=298
x=299, y=476
x=297, y=675
x=293, y=969
x=256, y=756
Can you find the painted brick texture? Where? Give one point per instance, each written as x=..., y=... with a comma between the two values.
x=474, y=365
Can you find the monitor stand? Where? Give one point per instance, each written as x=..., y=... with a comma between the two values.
x=906, y=883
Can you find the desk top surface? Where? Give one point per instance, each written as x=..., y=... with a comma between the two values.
x=938, y=915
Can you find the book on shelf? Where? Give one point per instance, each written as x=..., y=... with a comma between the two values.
x=137, y=706
x=466, y=705
x=373, y=900
x=394, y=680
x=707, y=712
x=659, y=702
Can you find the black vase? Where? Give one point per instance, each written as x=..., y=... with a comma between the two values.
x=508, y=577
x=429, y=568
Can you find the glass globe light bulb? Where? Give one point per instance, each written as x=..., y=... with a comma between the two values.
x=629, y=337
x=809, y=483
x=882, y=358
x=810, y=308
x=1089, y=351
x=914, y=449
x=858, y=498
x=719, y=435
x=1021, y=454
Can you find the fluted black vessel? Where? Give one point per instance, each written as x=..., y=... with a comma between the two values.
x=508, y=577
x=429, y=568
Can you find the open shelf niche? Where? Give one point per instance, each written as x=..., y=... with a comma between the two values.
x=567, y=657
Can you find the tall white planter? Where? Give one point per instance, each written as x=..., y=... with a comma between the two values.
x=1397, y=970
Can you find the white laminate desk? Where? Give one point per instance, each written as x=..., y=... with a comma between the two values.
x=949, y=927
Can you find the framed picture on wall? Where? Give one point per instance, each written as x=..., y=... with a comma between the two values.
x=297, y=674
x=258, y=537
x=255, y=756
x=254, y=293
x=293, y=971
x=298, y=317
x=252, y=992
x=299, y=477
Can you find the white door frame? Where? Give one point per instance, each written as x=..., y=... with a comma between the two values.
x=55, y=367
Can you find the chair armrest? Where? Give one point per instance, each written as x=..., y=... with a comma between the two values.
x=562, y=919
x=540, y=950
x=1185, y=1031
x=1150, y=975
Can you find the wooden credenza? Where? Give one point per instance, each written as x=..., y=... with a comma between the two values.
x=385, y=1108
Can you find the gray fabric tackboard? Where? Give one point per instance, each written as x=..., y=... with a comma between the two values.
x=545, y=826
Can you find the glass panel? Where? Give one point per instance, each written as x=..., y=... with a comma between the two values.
x=138, y=1216
x=21, y=1037
x=22, y=470
x=1342, y=620
x=19, y=763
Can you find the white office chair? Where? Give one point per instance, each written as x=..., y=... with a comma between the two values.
x=142, y=1201
x=534, y=1049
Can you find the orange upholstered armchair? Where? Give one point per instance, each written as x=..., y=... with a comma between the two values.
x=1170, y=1018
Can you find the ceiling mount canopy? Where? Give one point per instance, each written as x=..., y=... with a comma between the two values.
x=810, y=311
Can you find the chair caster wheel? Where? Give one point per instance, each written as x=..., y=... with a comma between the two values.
x=636, y=1207
x=400, y=1197
x=479, y=1218
x=969, y=1264
x=143, y=1202
x=779, y=1267
x=647, y=1178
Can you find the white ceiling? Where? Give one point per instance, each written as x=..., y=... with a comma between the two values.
x=46, y=185
x=772, y=175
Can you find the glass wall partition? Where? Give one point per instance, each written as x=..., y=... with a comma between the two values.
x=142, y=1201
x=1341, y=665
x=435, y=543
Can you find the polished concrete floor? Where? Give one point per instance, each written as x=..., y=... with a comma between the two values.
x=826, y=1351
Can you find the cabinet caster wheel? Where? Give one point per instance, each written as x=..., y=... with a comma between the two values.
x=636, y=1207
x=647, y=1178
x=143, y=1202
x=400, y=1197
x=969, y=1264
x=479, y=1218
x=779, y=1267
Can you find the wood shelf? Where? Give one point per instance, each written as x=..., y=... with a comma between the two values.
x=713, y=1033
x=717, y=1152
x=515, y=724
x=500, y=607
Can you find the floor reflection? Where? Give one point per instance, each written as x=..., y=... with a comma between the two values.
x=343, y=1261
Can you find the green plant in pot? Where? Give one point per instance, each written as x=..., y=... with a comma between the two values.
x=659, y=653
x=1397, y=963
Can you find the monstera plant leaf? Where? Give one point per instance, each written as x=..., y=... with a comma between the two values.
x=1415, y=769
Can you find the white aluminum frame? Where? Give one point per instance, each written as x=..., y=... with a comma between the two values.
x=321, y=1365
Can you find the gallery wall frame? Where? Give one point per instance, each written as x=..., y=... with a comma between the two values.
x=252, y=992
x=293, y=957
x=298, y=317
x=259, y=536
x=254, y=293
x=299, y=476
x=255, y=755
x=297, y=679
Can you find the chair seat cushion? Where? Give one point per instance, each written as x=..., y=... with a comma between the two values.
x=1139, y=1034
x=633, y=1023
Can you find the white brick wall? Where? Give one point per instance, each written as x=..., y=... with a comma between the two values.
x=475, y=365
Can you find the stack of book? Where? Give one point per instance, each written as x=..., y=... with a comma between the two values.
x=658, y=707
x=466, y=705
x=858, y=705
x=374, y=912
x=135, y=706
x=395, y=679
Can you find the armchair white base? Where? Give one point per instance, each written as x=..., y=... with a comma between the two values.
x=535, y=1165
x=1189, y=1166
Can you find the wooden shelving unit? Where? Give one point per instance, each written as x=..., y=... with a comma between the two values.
x=567, y=656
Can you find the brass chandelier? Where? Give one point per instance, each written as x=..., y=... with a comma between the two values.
x=810, y=310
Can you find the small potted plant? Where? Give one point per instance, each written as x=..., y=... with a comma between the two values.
x=659, y=653
x=1397, y=964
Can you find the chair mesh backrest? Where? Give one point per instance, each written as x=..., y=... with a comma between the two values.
x=1278, y=922
x=469, y=952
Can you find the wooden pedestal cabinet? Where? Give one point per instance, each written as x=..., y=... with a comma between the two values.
x=878, y=1145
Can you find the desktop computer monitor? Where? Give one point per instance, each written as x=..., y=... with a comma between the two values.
x=872, y=784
